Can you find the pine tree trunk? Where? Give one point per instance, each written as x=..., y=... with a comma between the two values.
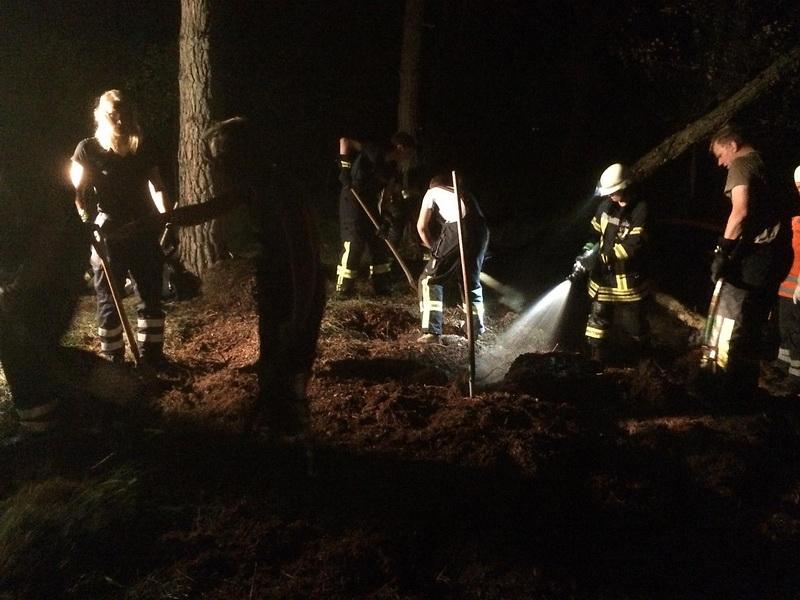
x=408, y=101
x=199, y=246
x=677, y=143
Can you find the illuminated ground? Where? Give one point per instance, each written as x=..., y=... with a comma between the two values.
x=555, y=483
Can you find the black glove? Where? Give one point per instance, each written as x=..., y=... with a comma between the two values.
x=383, y=229
x=584, y=262
x=721, y=263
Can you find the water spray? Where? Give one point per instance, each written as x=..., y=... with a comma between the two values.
x=535, y=331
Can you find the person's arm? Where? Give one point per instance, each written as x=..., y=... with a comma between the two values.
x=425, y=215
x=87, y=210
x=347, y=145
x=740, y=198
x=158, y=192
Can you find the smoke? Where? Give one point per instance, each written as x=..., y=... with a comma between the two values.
x=535, y=331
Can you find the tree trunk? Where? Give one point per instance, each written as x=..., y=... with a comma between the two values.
x=674, y=145
x=199, y=246
x=408, y=102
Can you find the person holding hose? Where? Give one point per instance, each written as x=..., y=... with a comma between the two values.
x=617, y=265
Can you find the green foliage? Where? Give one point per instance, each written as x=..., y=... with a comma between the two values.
x=54, y=528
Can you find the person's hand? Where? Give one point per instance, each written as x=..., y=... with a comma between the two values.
x=720, y=265
x=383, y=230
x=796, y=294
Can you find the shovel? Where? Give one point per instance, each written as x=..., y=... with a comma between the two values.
x=99, y=244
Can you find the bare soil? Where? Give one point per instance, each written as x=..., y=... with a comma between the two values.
x=556, y=482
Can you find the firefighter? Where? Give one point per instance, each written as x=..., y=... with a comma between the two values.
x=42, y=256
x=440, y=205
x=290, y=282
x=366, y=168
x=112, y=172
x=617, y=266
x=752, y=257
x=789, y=310
x=401, y=196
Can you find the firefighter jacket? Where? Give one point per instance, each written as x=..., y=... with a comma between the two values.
x=620, y=273
x=790, y=283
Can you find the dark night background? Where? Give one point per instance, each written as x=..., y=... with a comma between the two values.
x=531, y=100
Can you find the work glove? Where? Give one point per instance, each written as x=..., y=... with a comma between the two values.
x=721, y=263
x=383, y=229
x=584, y=262
x=796, y=294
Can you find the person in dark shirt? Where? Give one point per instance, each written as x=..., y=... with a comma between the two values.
x=290, y=281
x=751, y=258
x=117, y=181
x=42, y=257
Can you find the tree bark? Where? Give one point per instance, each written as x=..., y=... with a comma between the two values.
x=200, y=245
x=677, y=143
x=408, y=101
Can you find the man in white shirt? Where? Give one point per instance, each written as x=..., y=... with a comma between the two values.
x=440, y=205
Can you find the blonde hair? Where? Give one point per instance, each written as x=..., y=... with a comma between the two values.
x=127, y=135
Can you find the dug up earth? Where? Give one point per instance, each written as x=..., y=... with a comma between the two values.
x=554, y=481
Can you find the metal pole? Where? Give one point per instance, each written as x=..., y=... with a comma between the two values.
x=411, y=281
x=465, y=279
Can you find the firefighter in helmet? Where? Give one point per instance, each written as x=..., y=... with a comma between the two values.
x=617, y=264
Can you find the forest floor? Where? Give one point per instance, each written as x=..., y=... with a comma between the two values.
x=556, y=481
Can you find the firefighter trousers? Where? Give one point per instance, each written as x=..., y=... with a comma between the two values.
x=358, y=237
x=789, y=327
x=143, y=261
x=444, y=266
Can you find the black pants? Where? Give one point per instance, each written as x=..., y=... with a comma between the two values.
x=738, y=328
x=288, y=329
x=142, y=259
x=358, y=236
x=789, y=327
x=445, y=265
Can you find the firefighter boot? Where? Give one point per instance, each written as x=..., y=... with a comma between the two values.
x=597, y=354
x=382, y=284
x=346, y=289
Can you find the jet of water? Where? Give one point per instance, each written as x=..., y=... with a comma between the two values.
x=534, y=331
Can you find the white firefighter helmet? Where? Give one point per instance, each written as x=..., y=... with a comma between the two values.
x=797, y=175
x=614, y=178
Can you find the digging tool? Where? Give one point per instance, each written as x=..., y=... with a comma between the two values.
x=508, y=295
x=710, y=340
x=99, y=244
x=465, y=279
x=411, y=281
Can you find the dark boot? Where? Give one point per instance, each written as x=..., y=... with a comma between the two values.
x=346, y=289
x=382, y=284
